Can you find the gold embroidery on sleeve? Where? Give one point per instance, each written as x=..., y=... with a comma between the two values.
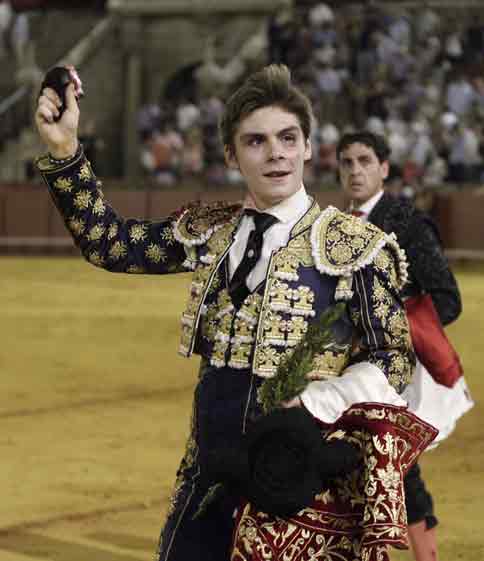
x=83, y=200
x=99, y=207
x=137, y=233
x=76, y=225
x=155, y=253
x=118, y=250
x=63, y=184
x=96, y=232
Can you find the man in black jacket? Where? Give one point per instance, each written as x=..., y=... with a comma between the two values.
x=363, y=168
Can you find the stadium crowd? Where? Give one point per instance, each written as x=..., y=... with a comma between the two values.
x=410, y=75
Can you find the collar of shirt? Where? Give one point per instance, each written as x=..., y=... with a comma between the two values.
x=369, y=205
x=288, y=213
x=290, y=209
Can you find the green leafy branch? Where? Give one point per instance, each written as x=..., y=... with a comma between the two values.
x=291, y=376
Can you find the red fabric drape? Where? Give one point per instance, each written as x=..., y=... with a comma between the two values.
x=360, y=515
x=431, y=344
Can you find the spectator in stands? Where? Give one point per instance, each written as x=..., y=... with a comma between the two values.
x=188, y=116
x=148, y=119
x=161, y=154
x=464, y=158
x=281, y=35
x=192, y=159
x=460, y=95
x=325, y=162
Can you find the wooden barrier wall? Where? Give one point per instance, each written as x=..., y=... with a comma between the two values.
x=29, y=221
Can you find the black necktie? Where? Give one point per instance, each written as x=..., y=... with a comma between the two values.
x=238, y=288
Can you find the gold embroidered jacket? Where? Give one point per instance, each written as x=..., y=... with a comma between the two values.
x=330, y=256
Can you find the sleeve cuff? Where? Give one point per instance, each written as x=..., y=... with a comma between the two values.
x=327, y=400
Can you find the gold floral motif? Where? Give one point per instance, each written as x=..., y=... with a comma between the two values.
x=225, y=324
x=135, y=269
x=398, y=327
x=112, y=231
x=382, y=301
x=274, y=329
x=155, y=253
x=96, y=259
x=96, y=232
x=200, y=221
x=83, y=200
x=168, y=236
x=386, y=264
x=329, y=363
x=341, y=254
x=280, y=295
x=218, y=354
x=118, y=250
x=341, y=241
x=224, y=301
x=296, y=328
x=239, y=355
x=251, y=306
x=303, y=298
x=297, y=253
x=192, y=304
x=63, y=184
x=267, y=360
x=334, y=236
x=399, y=369
x=220, y=239
x=202, y=274
x=307, y=220
x=209, y=323
x=381, y=311
x=243, y=328
x=85, y=172
x=382, y=261
x=185, y=339
x=99, y=208
x=137, y=233
x=287, y=263
x=76, y=225
x=191, y=451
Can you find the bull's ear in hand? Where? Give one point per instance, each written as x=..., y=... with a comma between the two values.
x=58, y=78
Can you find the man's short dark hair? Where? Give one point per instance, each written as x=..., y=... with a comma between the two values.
x=270, y=86
x=375, y=141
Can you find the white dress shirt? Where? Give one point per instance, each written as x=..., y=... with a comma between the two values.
x=368, y=206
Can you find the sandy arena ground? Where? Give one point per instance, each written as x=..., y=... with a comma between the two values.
x=95, y=406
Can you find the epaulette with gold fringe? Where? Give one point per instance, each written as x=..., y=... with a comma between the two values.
x=199, y=222
x=342, y=244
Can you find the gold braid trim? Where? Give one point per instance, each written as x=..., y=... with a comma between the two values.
x=342, y=244
x=199, y=222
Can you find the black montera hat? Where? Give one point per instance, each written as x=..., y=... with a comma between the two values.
x=282, y=462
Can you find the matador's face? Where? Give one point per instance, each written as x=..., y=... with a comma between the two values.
x=270, y=151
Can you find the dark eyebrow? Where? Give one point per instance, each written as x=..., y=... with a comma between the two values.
x=248, y=135
x=288, y=130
